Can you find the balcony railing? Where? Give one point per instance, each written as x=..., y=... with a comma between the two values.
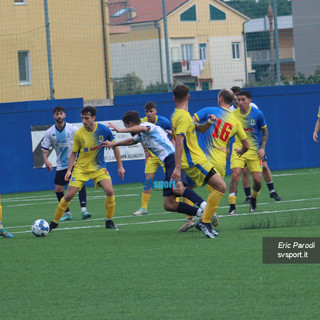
x=265, y=55
x=180, y=67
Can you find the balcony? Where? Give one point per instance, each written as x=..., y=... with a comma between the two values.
x=264, y=56
x=181, y=68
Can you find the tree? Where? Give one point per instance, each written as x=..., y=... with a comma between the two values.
x=129, y=84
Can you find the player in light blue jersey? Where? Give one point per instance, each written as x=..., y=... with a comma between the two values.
x=156, y=140
x=60, y=138
x=152, y=161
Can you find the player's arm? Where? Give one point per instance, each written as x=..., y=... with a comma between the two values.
x=203, y=127
x=72, y=159
x=117, y=155
x=134, y=129
x=109, y=144
x=45, y=153
x=261, y=151
x=176, y=175
x=316, y=130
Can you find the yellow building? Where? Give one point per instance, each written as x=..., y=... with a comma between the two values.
x=205, y=42
x=78, y=50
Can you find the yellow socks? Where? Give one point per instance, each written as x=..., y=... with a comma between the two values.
x=62, y=207
x=232, y=198
x=190, y=203
x=254, y=194
x=109, y=205
x=213, y=201
x=145, y=200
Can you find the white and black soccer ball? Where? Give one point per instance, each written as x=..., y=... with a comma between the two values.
x=40, y=228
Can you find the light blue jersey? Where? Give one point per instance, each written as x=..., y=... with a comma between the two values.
x=61, y=142
x=156, y=140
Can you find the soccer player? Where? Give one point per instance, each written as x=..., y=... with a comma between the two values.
x=267, y=175
x=253, y=123
x=60, y=138
x=90, y=165
x=3, y=232
x=215, y=139
x=316, y=128
x=190, y=157
x=155, y=139
x=152, y=161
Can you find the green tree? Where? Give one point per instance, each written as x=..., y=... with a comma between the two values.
x=129, y=84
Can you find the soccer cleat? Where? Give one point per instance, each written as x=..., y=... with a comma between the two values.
x=66, y=217
x=52, y=225
x=187, y=225
x=85, y=215
x=215, y=220
x=140, y=212
x=247, y=201
x=206, y=229
x=4, y=233
x=275, y=196
x=111, y=225
x=232, y=212
x=253, y=204
x=215, y=232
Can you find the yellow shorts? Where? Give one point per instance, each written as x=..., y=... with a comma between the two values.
x=153, y=164
x=199, y=172
x=252, y=160
x=79, y=177
x=220, y=168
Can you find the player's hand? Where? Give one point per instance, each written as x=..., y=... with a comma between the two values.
x=239, y=152
x=114, y=127
x=212, y=117
x=176, y=174
x=315, y=137
x=67, y=175
x=48, y=165
x=106, y=144
x=261, y=153
x=121, y=172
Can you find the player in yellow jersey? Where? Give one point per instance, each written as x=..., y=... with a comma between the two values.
x=90, y=165
x=190, y=157
x=253, y=123
x=317, y=128
x=152, y=161
x=213, y=138
x=3, y=232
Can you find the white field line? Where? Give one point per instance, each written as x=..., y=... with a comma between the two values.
x=159, y=221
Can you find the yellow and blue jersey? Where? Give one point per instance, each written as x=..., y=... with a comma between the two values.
x=91, y=157
x=182, y=124
x=252, y=123
x=214, y=141
x=162, y=122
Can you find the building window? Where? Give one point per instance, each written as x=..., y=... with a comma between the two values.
x=24, y=67
x=203, y=51
x=235, y=50
x=20, y=1
x=191, y=85
x=187, y=52
x=216, y=14
x=189, y=15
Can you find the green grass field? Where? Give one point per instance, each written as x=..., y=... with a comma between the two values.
x=147, y=270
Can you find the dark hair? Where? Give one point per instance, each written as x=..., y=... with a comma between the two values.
x=150, y=105
x=226, y=95
x=180, y=92
x=245, y=93
x=59, y=109
x=236, y=90
x=131, y=116
x=89, y=109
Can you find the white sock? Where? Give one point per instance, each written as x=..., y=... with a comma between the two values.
x=83, y=209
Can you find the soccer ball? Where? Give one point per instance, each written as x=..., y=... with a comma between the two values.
x=40, y=228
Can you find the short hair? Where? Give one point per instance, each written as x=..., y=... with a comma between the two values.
x=226, y=95
x=245, y=93
x=59, y=109
x=150, y=105
x=89, y=109
x=131, y=116
x=236, y=90
x=180, y=92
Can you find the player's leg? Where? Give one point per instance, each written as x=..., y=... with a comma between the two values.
x=235, y=177
x=246, y=184
x=83, y=203
x=3, y=232
x=267, y=175
x=255, y=168
x=60, y=184
x=103, y=179
x=146, y=195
